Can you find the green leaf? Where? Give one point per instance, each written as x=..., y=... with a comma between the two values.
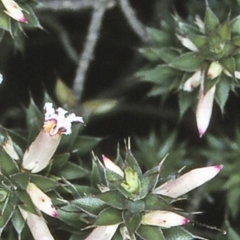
x=72, y=171
x=189, y=62
x=30, y=16
x=44, y=183
x=21, y=180
x=113, y=198
x=154, y=202
x=236, y=41
x=211, y=22
x=132, y=162
x=108, y=216
x=224, y=31
x=26, y=202
x=198, y=40
x=235, y=25
x=159, y=37
x=84, y=144
x=151, y=232
x=179, y=233
x=34, y=121
x=8, y=166
x=132, y=221
x=3, y=195
x=18, y=222
x=158, y=75
x=135, y=206
x=59, y=161
x=222, y=91
x=6, y=216
x=186, y=100
x=229, y=65
x=91, y=205
x=5, y=22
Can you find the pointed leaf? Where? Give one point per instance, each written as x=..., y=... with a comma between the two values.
x=154, y=202
x=34, y=121
x=21, y=180
x=229, y=65
x=113, y=198
x=235, y=25
x=224, y=31
x=189, y=62
x=186, y=100
x=135, y=206
x=5, y=22
x=179, y=233
x=72, y=171
x=236, y=41
x=158, y=75
x=132, y=221
x=59, y=161
x=84, y=144
x=18, y=221
x=198, y=40
x=109, y=216
x=132, y=162
x=44, y=183
x=151, y=232
x=211, y=22
x=159, y=37
x=222, y=91
x=90, y=205
x=6, y=216
x=8, y=166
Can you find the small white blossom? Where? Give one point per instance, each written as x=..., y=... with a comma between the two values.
x=193, y=81
x=214, y=70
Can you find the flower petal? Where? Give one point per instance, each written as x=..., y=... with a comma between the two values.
x=188, y=181
x=192, y=82
x=163, y=219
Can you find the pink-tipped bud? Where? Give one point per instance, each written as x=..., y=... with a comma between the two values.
x=204, y=109
x=110, y=165
x=214, y=70
x=163, y=219
x=188, y=181
x=14, y=11
x=41, y=200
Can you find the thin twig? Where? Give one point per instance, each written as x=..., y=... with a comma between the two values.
x=132, y=19
x=63, y=36
x=66, y=5
x=89, y=47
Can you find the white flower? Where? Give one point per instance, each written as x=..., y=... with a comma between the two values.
x=8, y=147
x=41, y=200
x=187, y=182
x=14, y=11
x=103, y=232
x=41, y=150
x=164, y=219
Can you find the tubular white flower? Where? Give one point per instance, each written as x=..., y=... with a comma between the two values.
x=41, y=200
x=193, y=81
x=204, y=109
x=164, y=219
x=112, y=166
x=188, y=181
x=214, y=70
x=41, y=150
x=37, y=226
x=103, y=232
x=14, y=10
x=186, y=42
x=8, y=147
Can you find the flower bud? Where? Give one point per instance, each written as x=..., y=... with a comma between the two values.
x=8, y=147
x=164, y=219
x=41, y=200
x=187, y=182
x=193, y=81
x=214, y=70
x=14, y=11
x=110, y=165
x=186, y=42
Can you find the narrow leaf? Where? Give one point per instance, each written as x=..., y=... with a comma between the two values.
x=211, y=21
x=150, y=232
x=132, y=221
